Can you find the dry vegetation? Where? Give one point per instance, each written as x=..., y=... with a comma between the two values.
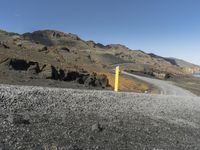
x=189, y=83
x=128, y=84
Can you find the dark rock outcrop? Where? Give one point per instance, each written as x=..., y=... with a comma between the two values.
x=61, y=74
x=45, y=37
x=54, y=73
x=47, y=71
x=51, y=72
x=65, y=49
x=92, y=80
x=23, y=65
x=34, y=68
x=97, y=81
x=71, y=76
x=19, y=64
x=43, y=49
x=91, y=44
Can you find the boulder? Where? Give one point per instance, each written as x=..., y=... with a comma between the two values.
x=90, y=81
x=19, y=44
x=54, y=73
x=18, y=119
x=102, y=81
x=97, y=81
x=97, y=127
x=61, y=74
x=65, y=49
x=24, y=65
x=34, y=68
x=51, y=72
x=46, y=72
x=83, y=79
x=4, y=45
x=72, y=75
x=19, y=64
x=43, y=49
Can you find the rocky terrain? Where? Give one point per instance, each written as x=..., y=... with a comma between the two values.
x=79, y=117
x=52, y=118
x=53, y=58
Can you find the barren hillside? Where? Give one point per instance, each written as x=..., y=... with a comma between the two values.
x=56, y=58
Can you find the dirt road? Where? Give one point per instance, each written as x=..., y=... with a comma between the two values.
x=167, y=88
x=52, y=118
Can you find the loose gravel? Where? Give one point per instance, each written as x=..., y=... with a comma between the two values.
x=53, y=118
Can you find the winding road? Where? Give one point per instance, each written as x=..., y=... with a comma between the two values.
x=167, y=88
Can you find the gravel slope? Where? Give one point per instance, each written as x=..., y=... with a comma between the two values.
x=167, y=87
x=39, y=118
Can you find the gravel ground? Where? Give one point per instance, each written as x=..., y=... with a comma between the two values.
x=166, y=87
x=53, y=118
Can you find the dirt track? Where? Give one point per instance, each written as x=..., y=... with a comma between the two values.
x=167, y=88
x=39, y=118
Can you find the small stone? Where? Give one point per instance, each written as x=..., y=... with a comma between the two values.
x=91, y=138
x=97, y=127
x=18, y=119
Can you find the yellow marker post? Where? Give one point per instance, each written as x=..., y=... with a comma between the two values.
x=116, y=79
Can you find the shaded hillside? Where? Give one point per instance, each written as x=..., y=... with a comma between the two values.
x=178, y=62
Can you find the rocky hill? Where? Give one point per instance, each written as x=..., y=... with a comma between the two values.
x=113, y=53
x=53, y=55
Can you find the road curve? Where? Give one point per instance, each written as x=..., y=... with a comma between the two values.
x=167, y=87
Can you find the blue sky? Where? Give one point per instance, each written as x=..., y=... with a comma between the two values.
x=168, y=28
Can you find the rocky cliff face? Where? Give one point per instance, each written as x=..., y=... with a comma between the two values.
x=55, y=38
x=190, y=70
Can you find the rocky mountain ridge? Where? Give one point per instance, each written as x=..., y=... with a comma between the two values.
x=50, y=54
x=57, y=38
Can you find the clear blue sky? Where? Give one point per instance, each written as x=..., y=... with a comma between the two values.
x=164, y=27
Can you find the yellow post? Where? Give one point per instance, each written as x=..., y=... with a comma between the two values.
x=116, y=79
